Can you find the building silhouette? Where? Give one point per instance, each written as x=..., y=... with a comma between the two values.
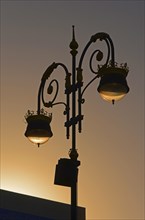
x=15, y=206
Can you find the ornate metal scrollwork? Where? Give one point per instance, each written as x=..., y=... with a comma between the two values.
x=99, y=57
x=50, y=89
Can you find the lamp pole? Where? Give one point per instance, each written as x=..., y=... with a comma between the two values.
x=113, y=86
x=73, y=47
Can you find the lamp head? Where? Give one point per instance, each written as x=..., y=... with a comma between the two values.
x=38, y=129
x=113, y=85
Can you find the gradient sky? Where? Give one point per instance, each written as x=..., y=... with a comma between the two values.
x=111, y=148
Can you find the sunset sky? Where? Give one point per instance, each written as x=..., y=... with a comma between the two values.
x=111, y=147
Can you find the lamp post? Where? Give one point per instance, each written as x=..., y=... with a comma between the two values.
x=113, y=87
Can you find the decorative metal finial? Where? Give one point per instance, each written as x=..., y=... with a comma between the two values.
x=73, y=44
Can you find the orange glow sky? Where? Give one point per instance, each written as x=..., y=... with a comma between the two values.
x=111, y=148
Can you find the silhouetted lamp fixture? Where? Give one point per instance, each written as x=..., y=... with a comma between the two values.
x=113, y=87
x=38, y=129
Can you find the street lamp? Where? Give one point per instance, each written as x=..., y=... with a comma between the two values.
x=113, y=87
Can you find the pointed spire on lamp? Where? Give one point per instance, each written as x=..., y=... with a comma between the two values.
x=73, y=44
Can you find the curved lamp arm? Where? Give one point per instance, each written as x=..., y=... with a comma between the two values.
x=45, y=76
x=101, y=36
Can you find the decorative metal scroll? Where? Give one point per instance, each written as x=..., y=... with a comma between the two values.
x=50, y=88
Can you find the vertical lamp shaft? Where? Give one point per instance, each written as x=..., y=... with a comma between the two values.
x=74, y=185
x=73, y=46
